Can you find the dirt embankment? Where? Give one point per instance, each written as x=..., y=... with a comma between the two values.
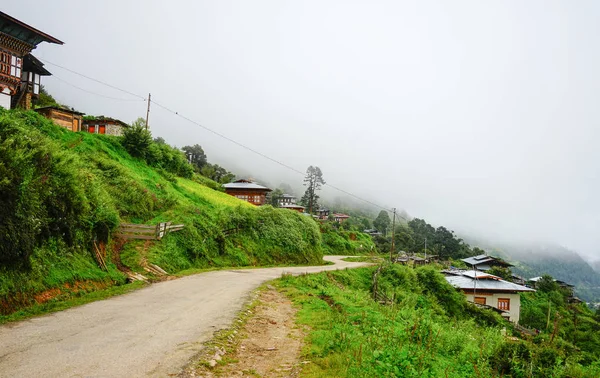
x=269, y=344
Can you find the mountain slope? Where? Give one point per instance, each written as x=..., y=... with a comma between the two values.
x=62, y=191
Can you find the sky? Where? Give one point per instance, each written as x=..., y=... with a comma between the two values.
x=479, y=116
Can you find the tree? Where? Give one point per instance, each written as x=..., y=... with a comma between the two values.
x=546, y=284
x=313, y=182
x=274, y=196
x=160, y=140
x=136, y=139
x=382, y=222
x=195, y=155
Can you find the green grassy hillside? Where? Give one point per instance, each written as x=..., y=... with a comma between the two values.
x=61, y=192
x=425, y=328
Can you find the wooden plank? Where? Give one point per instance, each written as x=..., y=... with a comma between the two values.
x=136, y=227
x=175, y=226
x=141, y=237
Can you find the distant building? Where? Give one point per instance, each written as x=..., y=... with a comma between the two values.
x=248, y=191
x=288, y=201
x=69, y=119
x=533, y=282
x=323, y=213
x=372, y=232
x=485, y=262
x=20, y=72
x=340, y=218
x=104, y=125
x=485, y=289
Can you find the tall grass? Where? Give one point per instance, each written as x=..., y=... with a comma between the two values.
x=62, y=191
x=420, y=333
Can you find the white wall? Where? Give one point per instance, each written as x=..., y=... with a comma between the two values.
x=492, y=300
x=5, y=99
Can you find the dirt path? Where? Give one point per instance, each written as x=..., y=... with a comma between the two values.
x=154, y=331
x=269, y=344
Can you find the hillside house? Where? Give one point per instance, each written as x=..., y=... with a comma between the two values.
x=104, y=125
x=485, y=262
x=20, y=72
x=323, y=213
x=69, y=119
x=248, y=191
x=340, y=218
x=288, y=201
x=485, y=289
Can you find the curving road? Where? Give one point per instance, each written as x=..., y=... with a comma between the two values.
x=153, y=332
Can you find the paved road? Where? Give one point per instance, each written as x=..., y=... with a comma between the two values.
x=154, y=331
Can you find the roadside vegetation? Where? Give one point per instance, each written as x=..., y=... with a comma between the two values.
x=64, y=192
x=419, y=326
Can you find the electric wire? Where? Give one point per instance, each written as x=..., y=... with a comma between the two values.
x=94, y=93
x=216, y=133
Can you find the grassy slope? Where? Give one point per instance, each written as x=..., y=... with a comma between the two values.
x=427, y=332
x=91, y=184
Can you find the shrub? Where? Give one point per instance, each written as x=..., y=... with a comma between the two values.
x=137, y=141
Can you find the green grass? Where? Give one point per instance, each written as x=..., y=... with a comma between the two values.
x=427, y=331
x=79, y=299
x=64, y=191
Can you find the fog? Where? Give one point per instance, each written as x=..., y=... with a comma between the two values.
x=479, y=116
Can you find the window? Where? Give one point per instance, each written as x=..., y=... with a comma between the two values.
x=480, y=300
x=504, y=304
x=15, y=66
x=10, y=64
x=4, y=63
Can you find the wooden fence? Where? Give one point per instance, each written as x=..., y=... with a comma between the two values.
x=146, y=232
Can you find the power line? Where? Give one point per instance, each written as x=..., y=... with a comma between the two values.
x=94, y=93
x=220, y=135
x=92, y=79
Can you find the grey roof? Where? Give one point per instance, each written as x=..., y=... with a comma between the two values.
x=291, y=206
x=287, y=196
x=483, y=259
x=472, y=279
x=244, y=185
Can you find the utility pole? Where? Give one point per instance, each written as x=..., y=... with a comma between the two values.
x=425, y=246
x=148, y=111
x=393, y=236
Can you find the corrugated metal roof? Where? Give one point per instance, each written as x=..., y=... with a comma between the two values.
x=244, y=185
x=483, y=259
x=466, y=280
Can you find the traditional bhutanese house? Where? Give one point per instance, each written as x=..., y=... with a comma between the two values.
x=104, y=125
x=485, y=262
x=69, y=119
x=339, y=217
x=248, y=191
x=562, y=284
x=20, y=71
x=323, y=213
x=485, y=289
x=288, y=201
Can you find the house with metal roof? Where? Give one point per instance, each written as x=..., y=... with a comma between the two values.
x=20, y=72
x=486, y=289
x=485, y=262
x=248, y=191
x=288, y=201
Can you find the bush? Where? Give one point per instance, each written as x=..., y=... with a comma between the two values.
x=137, y=141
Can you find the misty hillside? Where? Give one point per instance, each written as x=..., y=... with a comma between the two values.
x=559, y=262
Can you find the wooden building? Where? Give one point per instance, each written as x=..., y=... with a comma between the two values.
x=485, y=262
x=248, y=191
x=340, y=218
x=288, y=201
x=20, y=72
x=69, y=119
x=104, y=125
x=323, y=213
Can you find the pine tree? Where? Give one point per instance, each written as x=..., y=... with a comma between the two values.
x=313, y=182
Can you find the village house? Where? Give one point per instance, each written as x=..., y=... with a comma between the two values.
x=69, y=119
x=20, y=72
x=104, y=125
x=340, y=218
x=485, y=262
x=288, y=201
x=485, y=289
x=323, y=213
x=248, y=191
